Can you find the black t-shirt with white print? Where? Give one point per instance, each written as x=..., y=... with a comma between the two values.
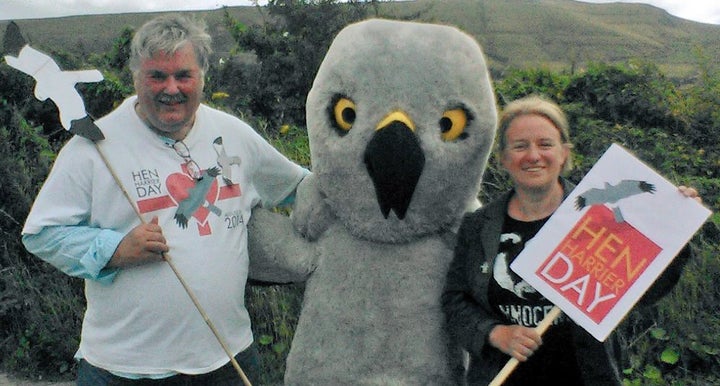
x=519, y=303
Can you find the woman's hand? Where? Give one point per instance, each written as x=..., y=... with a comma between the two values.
x=690, y=192
x=517, y=341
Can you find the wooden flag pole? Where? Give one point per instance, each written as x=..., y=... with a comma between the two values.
x=169, y=260
x=512, y=363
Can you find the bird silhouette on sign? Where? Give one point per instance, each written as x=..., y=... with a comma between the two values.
x=611, y=194
x=59, y=86
x=196, y=198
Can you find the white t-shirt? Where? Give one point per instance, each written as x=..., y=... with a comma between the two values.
x=144, y=322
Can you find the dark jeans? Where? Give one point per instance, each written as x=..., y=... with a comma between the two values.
x=249, y=361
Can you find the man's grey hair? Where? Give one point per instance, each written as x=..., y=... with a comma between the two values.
x=169, y=33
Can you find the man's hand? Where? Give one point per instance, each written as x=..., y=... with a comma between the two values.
x=143, y=244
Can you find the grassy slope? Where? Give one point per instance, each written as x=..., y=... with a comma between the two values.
x=557, y=33
x=517, y=33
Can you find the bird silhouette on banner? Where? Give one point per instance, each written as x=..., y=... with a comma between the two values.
x=611, y=194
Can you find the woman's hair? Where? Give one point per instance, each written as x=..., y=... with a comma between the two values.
x=535, y=105
x=169, y=33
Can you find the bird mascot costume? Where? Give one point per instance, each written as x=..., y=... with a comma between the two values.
x=401, y=119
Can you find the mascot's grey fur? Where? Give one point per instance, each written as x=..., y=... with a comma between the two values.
x=401, y=119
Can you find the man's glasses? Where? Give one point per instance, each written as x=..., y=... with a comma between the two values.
x=192, y=167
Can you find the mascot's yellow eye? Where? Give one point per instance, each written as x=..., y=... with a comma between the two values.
x=343, y=113
x=453, y=124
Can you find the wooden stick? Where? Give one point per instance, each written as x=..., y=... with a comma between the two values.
x=207, y=320
x=512, y=363
x=168, y=259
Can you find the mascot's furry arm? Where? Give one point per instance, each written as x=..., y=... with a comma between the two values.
x=278, y=254
x=281, y=248
x=311, y=215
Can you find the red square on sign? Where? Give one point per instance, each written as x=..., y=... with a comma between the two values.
x=597, y=262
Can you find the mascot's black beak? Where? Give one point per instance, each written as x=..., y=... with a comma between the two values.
x=395, y=161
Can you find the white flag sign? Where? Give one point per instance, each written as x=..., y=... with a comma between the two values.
x=609, y=241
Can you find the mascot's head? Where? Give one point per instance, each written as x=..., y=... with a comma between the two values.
x=401, y=119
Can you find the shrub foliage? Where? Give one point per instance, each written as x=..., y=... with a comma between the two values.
x=674, y=127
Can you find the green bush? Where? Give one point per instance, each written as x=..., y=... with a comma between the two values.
x=39, y=306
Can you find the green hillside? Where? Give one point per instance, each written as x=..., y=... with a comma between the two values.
x=559, y=34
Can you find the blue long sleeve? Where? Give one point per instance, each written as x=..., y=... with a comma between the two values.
x=78, y=251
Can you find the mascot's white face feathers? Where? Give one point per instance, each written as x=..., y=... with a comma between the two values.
x=401, y=120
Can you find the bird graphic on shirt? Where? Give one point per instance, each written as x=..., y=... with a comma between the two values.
x=59, y=86
x=611, y=194
x=502, y=273
x=225, y=161
x=196, y=198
